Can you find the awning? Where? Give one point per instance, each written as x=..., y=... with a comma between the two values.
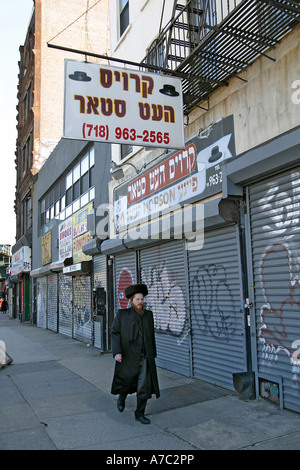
x=50, y=268
x=25, y=240
x=92, y=247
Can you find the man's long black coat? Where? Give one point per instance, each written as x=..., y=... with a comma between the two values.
x=124, y=341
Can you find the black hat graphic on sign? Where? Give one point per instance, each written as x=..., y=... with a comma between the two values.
x=169, y=90
x=215, y=154
x=80, y=76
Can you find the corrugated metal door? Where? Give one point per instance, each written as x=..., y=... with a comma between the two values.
x=100, y=281
x=162, y=268
x=65, y=321
x=125, y=275
x=41, y=304
x=274, y=219
x=100, y=271
x=217, y=320
x=82, y=324
x=52, y=302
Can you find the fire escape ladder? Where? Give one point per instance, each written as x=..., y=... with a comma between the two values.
x=207, y=42
x=182, y=31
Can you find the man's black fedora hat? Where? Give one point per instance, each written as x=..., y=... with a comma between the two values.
x=136, y=289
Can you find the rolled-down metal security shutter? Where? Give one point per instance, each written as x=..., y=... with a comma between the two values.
x=275, y=239
x=100, y=281
x=52, y=302
x=41, y=304
x=100, y=271
x=162, y=269
x=65, y=321
x=217, y=322
x=125, y=274
x=82, y=318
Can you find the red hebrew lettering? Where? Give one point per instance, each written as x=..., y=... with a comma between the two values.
x=120, y=108
x=125, y=81
x=92, y=105
x=82, y=103
x=157, y=112
x=136, y=77
x=106, y=106
x=106, y=78
x=144, y=110
x=117, y=75
x=169, y=114
x=147, y=88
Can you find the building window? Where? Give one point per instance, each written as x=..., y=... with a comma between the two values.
x=28, y=101
x=124, y=15
x=70, y=193
x=125, y=150
x=26, y=214
x=26, y=155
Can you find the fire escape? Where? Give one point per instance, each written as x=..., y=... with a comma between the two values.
x=207, y=42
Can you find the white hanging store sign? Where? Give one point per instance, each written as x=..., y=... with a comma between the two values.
x=125, y=106
x=21, y=261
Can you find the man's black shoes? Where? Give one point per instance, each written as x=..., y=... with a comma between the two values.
x=120, y=404
x=143, y=420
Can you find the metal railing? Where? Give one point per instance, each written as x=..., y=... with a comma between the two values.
x=189, y=25
x=208, y=41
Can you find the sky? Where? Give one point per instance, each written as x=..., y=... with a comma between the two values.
x=15, y=16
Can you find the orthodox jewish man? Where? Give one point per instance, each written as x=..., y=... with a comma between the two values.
x=134, y=350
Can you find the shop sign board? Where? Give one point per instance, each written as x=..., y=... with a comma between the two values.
x=185, y=176
x=124, y=106
x=21, y=261
x=80, y=234
x=72, y=269
x=73, y=234
x=65, y=234
x=47, y=248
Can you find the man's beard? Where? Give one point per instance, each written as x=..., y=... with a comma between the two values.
x=138, y=308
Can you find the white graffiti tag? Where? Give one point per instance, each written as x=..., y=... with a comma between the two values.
x=165, y=299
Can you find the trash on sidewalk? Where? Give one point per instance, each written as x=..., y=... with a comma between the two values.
x=5, y=358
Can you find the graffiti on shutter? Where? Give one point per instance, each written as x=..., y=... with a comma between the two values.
x=41, y=303
x=65, y=305
x=52, y=302
x=275, y=235
x=217, y=323
x=162, y=269
x=82, y=326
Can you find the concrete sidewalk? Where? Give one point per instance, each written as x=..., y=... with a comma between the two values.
x=56, y=395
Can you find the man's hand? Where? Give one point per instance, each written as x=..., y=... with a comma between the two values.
x=118, y=357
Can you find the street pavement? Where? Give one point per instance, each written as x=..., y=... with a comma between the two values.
x=55, y=395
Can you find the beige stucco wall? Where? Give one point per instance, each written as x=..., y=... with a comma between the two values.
x=145, y=19
x=60, y=25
